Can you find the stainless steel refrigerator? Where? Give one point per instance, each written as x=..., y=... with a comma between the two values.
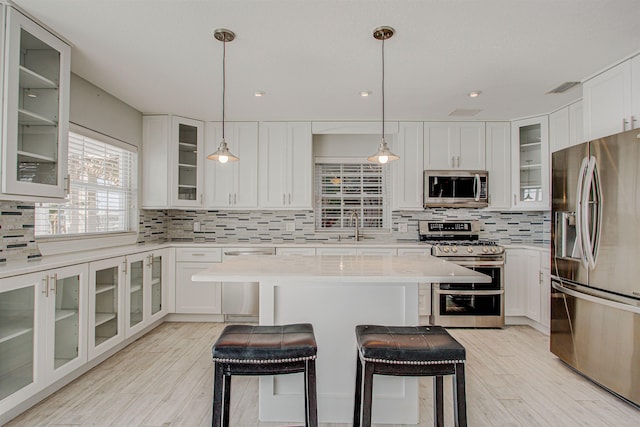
x=595, y=256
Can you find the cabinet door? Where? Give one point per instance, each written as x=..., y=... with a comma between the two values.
x=559, y=130
x=533, y=285
x=273, y=164
x=545, y=289
x=635, y=92
x=440, y=148
x=300, y=158
x=156, y=166
x=471, y=143
x=530, y=164
x=136, y=292
x=66, y=326
x=498, y=163
x=424, y=300
x=159, y=273
x=196, y=297
x=106, y=305
x=515, y=282
x=576, y=123
x=187, y=138
x=408, y=171
x=36, y=113
x=22, y=310
x=607, y=102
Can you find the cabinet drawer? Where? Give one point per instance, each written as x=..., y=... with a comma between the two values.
x=199, y=255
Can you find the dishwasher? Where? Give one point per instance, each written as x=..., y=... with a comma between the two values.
x=240, y=299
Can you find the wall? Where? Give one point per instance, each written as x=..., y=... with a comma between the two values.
x=270, y=226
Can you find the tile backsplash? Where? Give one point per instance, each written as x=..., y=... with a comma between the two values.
x=17, y=231
x=272, y=226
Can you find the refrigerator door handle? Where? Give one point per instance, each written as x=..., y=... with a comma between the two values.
x=596, y=299
x=579, y=209
x=591, y=242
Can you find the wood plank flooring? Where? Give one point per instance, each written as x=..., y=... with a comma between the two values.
x=165, y=379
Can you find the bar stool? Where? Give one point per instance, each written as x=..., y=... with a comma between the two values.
x=263, y=350
x=409, y=351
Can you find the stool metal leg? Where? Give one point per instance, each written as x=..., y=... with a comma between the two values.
x=438, y=402
x=357, y=401
x=459, y=396
x=218, y=379
x=367, y=394
x=227, y=400
x=311, y=398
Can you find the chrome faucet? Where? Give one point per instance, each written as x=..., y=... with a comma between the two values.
x=356, y=235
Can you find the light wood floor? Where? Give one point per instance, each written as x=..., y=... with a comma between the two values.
x=165, y=379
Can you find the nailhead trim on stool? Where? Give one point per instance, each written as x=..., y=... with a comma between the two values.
x=263, y=350
x=409, y=351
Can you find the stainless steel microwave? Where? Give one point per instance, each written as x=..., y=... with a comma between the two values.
x=456, y=189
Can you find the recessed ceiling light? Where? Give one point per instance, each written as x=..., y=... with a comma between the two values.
x=365, y=93
x=475, y=94
x=259, y=93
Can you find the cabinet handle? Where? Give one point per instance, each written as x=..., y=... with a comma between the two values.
x=289, y=198
x=124, y=269
x=514, y=200
x=229, y=198
x=633, y=121
x=45, y=291
x=54, y=288
x=235, y=198
x=453, y=161
x=541, y=278
x=197, y=254
x=68, y=184
x=624, y=124
x=458, y=161
x=284, y=202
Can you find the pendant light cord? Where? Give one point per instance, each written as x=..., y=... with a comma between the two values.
x=383, y=89
x=224, y=85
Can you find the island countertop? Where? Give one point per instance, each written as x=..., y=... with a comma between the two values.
x=343, y=268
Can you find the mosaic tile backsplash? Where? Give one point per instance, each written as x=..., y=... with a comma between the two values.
x=271, y=226
x=16, y=229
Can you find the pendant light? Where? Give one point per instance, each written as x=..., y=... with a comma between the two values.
x=383, y=155
x=223, y=155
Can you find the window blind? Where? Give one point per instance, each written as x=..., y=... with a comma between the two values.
x=103, y=191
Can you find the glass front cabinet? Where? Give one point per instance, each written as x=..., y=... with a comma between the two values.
x=36, y=110
x=145, y=291
x=43, y=319
x=530, y=167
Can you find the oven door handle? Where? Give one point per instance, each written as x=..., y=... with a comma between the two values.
x=439, y=291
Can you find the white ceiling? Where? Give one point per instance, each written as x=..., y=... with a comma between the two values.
x=313, y=57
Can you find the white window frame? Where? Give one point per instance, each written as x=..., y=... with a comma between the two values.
x=386, y=176
x=59, y=244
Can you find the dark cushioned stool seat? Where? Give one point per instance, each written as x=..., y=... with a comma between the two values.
x=263, y=350
x=408, y=351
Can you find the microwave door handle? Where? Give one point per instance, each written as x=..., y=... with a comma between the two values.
x=476, y=188
x=590, y=225
x=579, y=237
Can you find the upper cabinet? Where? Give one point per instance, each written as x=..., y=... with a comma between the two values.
x=232, y=185
x=530, y=164
x=612, y=100
x=407, y=171
x=172, y=162
x=498, y=164
x=454, y=145
x=286, y=165
x=566, y=127
x=35, y=110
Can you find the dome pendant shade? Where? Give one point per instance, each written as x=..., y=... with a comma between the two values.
x=383, y=155
x=222, y=154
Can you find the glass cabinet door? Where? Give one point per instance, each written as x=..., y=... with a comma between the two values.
x=531, y=164
x=136, y=293
x=106, y=304
x=36, y=87
x=188, y=135
x=156, y=284
x=17, y=338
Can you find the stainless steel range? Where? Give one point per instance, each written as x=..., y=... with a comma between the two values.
x=473, y=305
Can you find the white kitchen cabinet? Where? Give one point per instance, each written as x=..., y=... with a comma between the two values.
x=232, y=185
x=106, y=304
x=285, y=165
x=515, y=282
x=295, y=251
x=424, y=289
x=43, y=319
x=545, y=289
x=530, y=164
x=197, y=297
x=576, y=123
x=172, y=153
x=498, y=163
x=407, y=172
x=612, y=100
x=454, y=145
x=566, y=127
x=36, y=110
x=146, y=276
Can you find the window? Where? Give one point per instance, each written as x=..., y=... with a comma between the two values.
x=344, y=188
x=103, y=190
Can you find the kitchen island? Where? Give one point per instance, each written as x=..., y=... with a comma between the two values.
x=334, y=294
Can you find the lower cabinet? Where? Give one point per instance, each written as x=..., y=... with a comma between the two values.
x=197, y=297
x=527, y=282
x=42, y=331
x=424, y=291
